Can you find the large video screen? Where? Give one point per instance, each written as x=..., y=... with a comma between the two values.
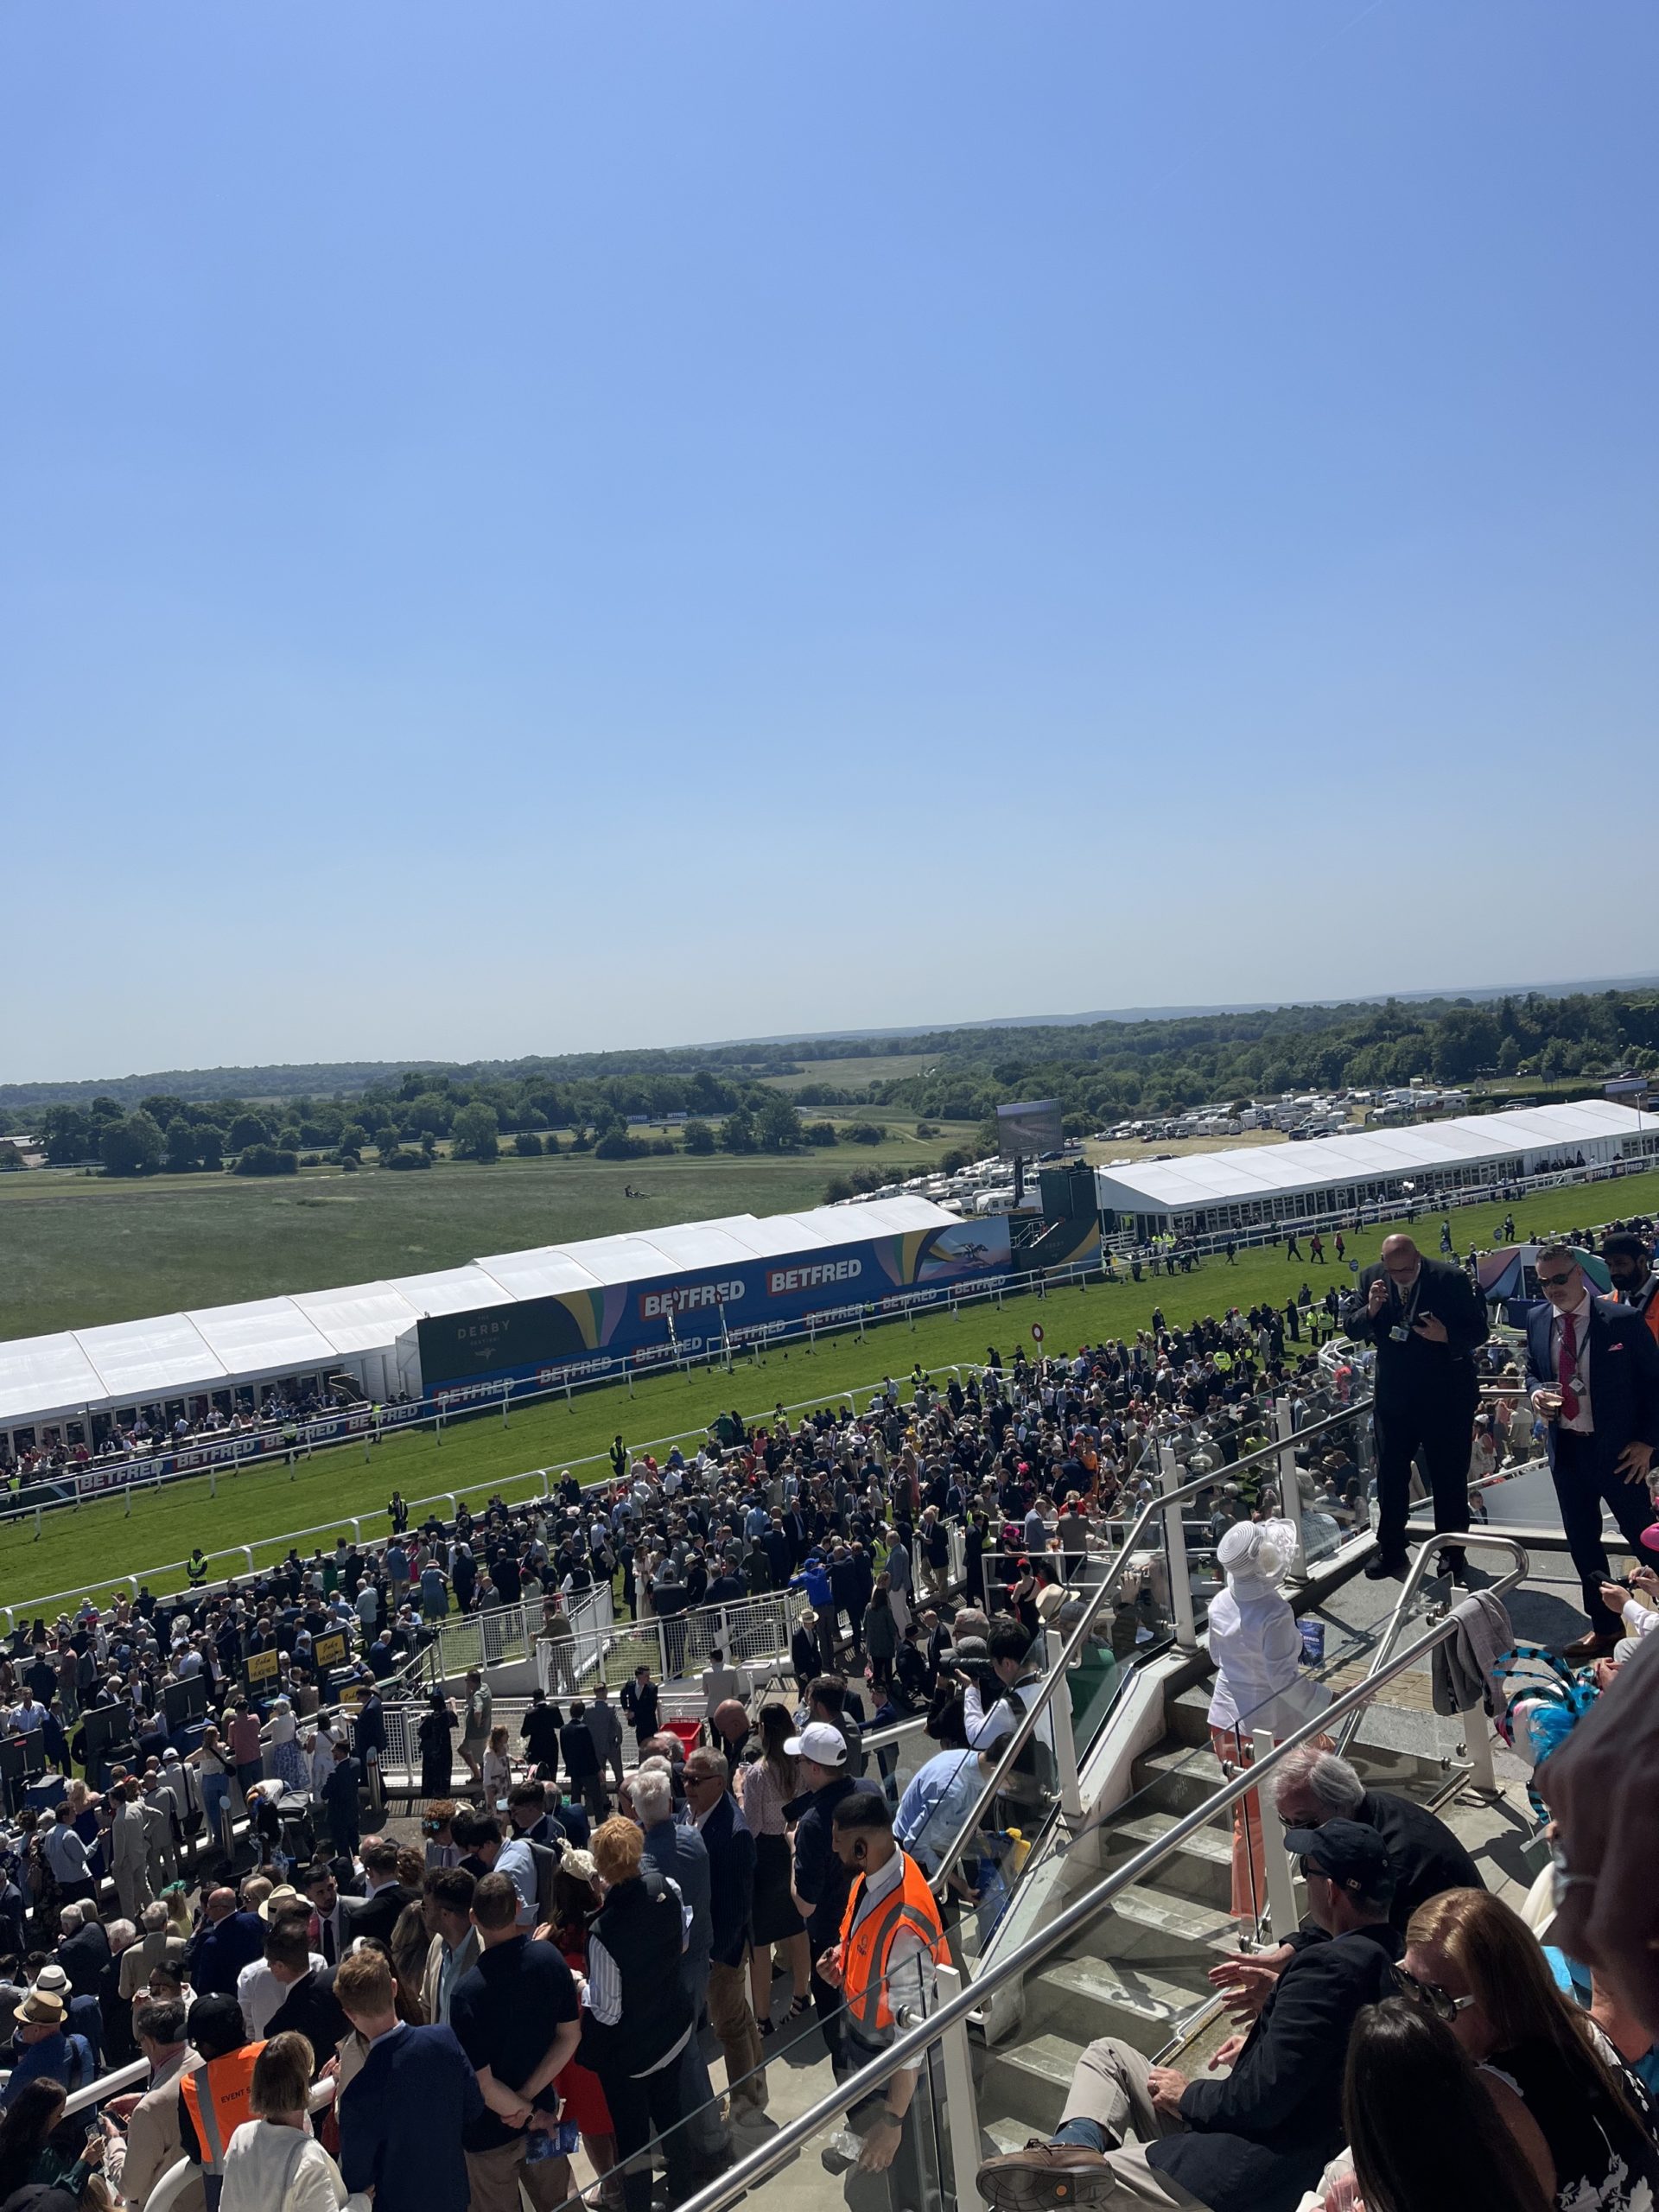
x=1023, y=1132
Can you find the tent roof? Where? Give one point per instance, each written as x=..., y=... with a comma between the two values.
x=45, y=1377
x=362, y=1318
x=138, y=1358
x=1246, y=1171
x=265, y=1336
x=451, y=1290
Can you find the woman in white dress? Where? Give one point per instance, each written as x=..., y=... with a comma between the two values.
x=1260, y=1681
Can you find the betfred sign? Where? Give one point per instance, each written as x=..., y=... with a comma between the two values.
x=688, y=1298
x=784, y=1282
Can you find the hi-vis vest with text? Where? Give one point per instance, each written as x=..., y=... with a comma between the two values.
x=864, y=1948
x=217, y=2115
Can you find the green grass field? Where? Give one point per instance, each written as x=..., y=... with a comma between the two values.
x=78, y=1249
x=92, y=1546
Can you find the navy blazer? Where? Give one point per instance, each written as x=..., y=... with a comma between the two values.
x=729, y=1841
x=401, y=2120
x=1622, y=1368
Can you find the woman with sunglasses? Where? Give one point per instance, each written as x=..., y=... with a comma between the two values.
x=1582, y=2122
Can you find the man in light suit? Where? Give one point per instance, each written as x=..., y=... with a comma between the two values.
x=446, y=1908
x=1593, y=1369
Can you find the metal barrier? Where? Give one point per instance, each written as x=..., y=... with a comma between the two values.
x=1167, y=1504
x=913, y=2041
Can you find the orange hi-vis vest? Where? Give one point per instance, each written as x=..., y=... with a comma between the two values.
x=864, y=1948
x=217, y=2116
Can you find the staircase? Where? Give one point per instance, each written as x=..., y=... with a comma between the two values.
x=1139, y=1971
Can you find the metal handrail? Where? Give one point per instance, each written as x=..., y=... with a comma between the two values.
x=1074, y=1643
x=971, y=1996
x=1426, y=1551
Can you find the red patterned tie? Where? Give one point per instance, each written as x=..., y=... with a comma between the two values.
x=1569, y=1366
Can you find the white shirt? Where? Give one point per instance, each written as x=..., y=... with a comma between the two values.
x=1581, y=1423
x=259, y=1993
x=911, y=1983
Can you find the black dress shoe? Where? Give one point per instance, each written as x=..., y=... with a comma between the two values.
x=1381, y=1569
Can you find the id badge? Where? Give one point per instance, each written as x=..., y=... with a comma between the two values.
x=1400, y=1334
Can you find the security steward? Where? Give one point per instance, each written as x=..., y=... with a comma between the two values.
x=1427, y=1321
x=213, y=2096
x=891, y=1938
x=196, y=1569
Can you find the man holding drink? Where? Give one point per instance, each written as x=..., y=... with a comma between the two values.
x=1593, y=1371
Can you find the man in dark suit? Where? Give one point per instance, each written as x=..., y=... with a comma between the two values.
x=1593, y=1369
x=1427, y=1321
x=83, y=1949
x=1262, y=2134
x=403, y=2114
x=376, y=1912
x=729, y=1842
x=309, y=2008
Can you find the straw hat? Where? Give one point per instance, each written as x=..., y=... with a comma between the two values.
x=42, y=2008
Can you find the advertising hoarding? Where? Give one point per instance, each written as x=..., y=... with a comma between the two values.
x=664, y=1317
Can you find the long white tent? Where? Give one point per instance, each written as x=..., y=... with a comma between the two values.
x=176, y=1358
x=1246, y=1185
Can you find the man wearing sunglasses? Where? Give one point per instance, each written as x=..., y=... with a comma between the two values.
x=1427, y=1321
x=1133, y=2134
x=1593, y=1371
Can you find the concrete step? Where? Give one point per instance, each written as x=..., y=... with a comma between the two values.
x=1081, y=1999
x=1200, y=1867
x=1140, y=1918
x=1026, y=2084
x=999, y=2137
x=1173, y=1778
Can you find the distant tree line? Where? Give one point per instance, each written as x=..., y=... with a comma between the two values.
x=617, y=1104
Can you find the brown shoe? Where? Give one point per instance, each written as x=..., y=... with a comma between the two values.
x=1591, y=1647
x=1044, y=2175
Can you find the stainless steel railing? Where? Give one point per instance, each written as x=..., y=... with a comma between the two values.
x=1079, y=1635
x=909, y=2047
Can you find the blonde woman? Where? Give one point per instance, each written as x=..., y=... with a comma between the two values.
x=498, y=1769
x=273, y=2163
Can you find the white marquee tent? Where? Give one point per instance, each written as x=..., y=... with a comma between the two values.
x=1248, y=1184
x=70, y=1376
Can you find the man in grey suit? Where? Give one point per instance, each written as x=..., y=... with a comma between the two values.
x=604, y=1726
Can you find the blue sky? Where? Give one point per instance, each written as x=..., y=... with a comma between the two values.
x=527, y=528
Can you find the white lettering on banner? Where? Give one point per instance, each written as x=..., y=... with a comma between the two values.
x=781, y=1281
x=685, y=1298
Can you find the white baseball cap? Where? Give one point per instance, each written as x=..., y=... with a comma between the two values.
x=819, y=1742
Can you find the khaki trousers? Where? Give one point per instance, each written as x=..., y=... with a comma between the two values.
x=494, y=2175
x=734, y=2024
x=1109, y=2088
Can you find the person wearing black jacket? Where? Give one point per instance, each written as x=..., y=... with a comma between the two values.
x=539, y=1731
x=730, y=1845
x=641, y=1704
x=637, y=2016
x=1255, y=2140
x=1427, y=1321
x=819, y=1884
x=582, y=1761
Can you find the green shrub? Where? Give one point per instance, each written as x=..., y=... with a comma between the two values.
x=268, y=1160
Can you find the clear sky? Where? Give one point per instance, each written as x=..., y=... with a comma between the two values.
x=528, y=527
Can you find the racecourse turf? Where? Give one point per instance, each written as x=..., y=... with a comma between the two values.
x=97, y=1545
